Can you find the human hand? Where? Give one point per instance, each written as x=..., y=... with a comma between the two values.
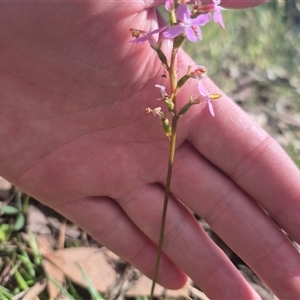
x=75, y=135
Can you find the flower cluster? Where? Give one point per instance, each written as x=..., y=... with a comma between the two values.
x=185, y=22
x=187, y=25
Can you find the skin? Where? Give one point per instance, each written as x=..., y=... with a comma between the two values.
x=74, y=134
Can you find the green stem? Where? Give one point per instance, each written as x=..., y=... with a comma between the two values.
x=166, y=200
x=172, y=73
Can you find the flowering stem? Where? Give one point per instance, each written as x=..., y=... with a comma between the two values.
x=184, y=25
x=172, y=144
x=166, y=200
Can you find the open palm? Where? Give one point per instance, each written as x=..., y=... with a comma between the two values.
x=75, y=135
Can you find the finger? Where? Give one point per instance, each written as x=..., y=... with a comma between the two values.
x=242, y=3
x=107, y=223
x=238, y=220
x=224, y=3
x=187, y=244
x=247, y=154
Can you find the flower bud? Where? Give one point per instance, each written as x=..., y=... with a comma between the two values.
x=136, y=32
x=179, y=41
x=187, y=106
x=162, y=56
x=183, y=80
x=198, y=73
x=167, y=127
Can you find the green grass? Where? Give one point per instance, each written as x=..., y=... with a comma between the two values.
x=255, y=38
x=21, y=265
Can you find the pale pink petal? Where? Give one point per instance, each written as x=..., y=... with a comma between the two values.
x=217, y=2
x=139, y=40
x=162, y=90
x=183, y=13
x=190, y=34
x=201, y=20
x=158, y=30
x=202, y=90
x=198, y=32
x=218, y=18
x=173, y=31
x=210, y=107
x=148, y=37
x=168, y=4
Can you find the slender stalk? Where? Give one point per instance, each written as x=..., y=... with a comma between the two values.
x=172, y=73
x=172, y=146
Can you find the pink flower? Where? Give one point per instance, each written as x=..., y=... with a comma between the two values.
x=187, y=25
x=146, y=36
x=155, y=111
x=217, y=12
x=205, y=96
x=213, y=7
x=198, y=73
x=162, y=91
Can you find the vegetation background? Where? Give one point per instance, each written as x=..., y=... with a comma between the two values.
x=256, y=61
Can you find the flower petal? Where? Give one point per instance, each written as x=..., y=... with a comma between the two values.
x=198, y=32
x=173, y=31
x=183, y=13
x=201, y=19
x=218, y=18
x=202, y=90
x=168, y=4
x=162, y=90
x=148, y=37
x=210, y=107
x=216, y=2
x=190, y=34
x=160, y=29
x=139, y=40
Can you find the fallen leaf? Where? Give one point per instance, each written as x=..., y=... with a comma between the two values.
x=35, y=290
x=52, y=271
x=93, y=261
x=37, y=221
x=99, y=265
x=55, y=274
